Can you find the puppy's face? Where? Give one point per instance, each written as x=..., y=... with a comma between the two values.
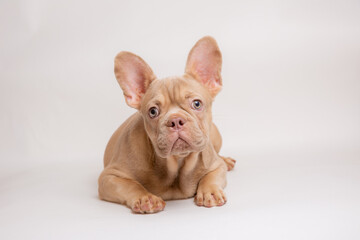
x=177, y=115
x=176, y=110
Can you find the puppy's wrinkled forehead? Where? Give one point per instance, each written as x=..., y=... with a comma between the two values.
x=174, y=91
x=203, y=70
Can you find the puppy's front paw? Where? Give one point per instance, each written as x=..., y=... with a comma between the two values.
x=148, y=203
x=210, y=197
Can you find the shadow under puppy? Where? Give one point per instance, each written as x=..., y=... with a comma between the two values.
x=169, y=148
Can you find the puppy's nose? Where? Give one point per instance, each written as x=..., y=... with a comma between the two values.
x=176, y=123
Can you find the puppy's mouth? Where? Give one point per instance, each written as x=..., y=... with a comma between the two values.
x=180, y=145
x=180, y=142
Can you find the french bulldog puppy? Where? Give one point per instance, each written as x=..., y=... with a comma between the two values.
x=169, y=148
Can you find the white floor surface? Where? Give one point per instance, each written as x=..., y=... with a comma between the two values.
x=298, y=195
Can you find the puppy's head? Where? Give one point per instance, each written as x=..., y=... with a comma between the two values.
x=176, y=110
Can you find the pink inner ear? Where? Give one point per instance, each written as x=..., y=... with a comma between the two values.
x=136, y=82
x=204, y=64
x=208, y=73
x=134, y=76
x=132, y=100
x=134, y=88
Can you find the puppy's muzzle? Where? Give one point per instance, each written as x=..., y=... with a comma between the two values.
x=175, y=123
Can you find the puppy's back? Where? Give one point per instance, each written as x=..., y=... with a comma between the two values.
x=124, y=131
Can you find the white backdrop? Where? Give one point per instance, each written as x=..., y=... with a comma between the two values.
x=289, y=112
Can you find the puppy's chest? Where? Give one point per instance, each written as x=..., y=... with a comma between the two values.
x=184, y=180
x=180, y=180
x=182, y=185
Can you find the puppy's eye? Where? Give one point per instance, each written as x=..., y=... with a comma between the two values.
x=153, y=112
x=196, y=104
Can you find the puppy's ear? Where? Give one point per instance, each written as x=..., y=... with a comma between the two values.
x=134, y=77
x=204, y=64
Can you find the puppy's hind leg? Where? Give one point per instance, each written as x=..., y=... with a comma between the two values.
x=217, y=142
x=113, y=187
x=230, y=163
